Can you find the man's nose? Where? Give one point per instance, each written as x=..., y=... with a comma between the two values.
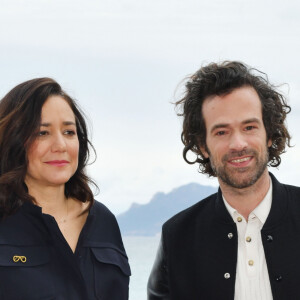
x=238, y=142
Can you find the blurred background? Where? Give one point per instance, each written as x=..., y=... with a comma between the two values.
x=123, y=60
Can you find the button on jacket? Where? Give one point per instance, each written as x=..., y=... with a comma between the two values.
x=36, y=262
x=197, y=257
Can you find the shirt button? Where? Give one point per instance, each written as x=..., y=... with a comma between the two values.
x=278, y=278
x=226, y=275
x=250, y=262
x=239, y=219
x=269, y=238
x=248, y=239
x=230, y=235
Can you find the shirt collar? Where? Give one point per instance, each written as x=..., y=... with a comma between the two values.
x=31, y=208
x=261, y=211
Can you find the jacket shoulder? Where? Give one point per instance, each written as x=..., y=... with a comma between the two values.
x=99, y=209
x=105, y=226
x=188, y=216
x=104, y=218
x=294, y=190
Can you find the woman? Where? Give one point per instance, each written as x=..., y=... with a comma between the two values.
x=56, y=242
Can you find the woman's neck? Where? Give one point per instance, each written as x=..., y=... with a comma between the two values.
x=52, y=199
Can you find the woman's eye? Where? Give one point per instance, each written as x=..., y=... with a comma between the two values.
x=42, y=133
x=70, y=132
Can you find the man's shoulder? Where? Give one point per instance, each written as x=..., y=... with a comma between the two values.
x=293, y=193
x=201, y=209
x=292, y=188
x=279, y=187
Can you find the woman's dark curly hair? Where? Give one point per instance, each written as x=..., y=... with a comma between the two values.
x=220, y=79
x=20, y=117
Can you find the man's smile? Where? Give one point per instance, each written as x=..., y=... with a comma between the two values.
x=240, y=162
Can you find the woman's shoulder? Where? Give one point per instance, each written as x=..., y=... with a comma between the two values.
x=103, y=216
x=24, y=227
x=99, y=209
x=104, y=226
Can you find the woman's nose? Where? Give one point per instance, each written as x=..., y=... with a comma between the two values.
x=59, y=143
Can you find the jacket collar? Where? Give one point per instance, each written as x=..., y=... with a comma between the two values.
x=37, y=210
x=280, y=201
x=278, y=208
x=221, y=210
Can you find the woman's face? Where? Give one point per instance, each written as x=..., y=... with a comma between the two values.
x=53, y=155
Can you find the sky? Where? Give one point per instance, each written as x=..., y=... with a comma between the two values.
x=124, y=62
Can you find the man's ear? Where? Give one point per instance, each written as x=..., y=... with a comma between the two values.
x=270, y=142
x=204, y=151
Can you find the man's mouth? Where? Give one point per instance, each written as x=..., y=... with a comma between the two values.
x=240, y=160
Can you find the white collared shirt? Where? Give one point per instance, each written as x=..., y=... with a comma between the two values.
x=252, y=278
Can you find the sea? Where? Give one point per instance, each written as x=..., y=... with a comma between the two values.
x=141, y=253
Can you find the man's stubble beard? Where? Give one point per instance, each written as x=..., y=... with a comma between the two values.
x=231, y=177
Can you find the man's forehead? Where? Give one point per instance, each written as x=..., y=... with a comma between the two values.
x=245, y=89
x=240, y=104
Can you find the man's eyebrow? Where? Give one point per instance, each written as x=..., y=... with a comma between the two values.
x=64, y=123
x=221, y=125
x=225, y=125
x=252, y=120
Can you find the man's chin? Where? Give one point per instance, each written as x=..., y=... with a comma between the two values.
x=242, y=178
x=237, y=184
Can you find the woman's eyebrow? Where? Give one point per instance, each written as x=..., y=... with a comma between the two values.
x=47, y=124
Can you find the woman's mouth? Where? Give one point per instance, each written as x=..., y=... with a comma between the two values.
x=57, y=163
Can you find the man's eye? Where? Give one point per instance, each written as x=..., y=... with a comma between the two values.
x=220, y=133
x=250, y=127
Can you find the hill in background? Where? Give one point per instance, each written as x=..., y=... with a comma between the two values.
x=147, y=219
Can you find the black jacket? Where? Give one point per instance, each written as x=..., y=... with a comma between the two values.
x=197, y=257
x=36, y=263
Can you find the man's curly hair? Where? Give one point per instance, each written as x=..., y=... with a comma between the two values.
x=220, y=79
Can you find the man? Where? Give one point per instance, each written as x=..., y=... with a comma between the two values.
x=243, y=242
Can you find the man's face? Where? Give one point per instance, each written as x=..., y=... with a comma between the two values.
x=236, y=137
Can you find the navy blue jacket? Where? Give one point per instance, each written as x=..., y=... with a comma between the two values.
x=198, y=254
x=36, y=262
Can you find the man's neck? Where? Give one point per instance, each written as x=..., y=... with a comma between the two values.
x=247, y=199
